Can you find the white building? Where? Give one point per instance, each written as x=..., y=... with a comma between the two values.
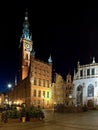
x=86, y=84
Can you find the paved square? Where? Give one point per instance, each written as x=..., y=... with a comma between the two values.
x=58, y=121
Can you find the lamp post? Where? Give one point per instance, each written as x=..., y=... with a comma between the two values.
x=9, y=87
x=70, y=99
x=70, y=96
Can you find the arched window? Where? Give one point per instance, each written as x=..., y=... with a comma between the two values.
x=90, y=90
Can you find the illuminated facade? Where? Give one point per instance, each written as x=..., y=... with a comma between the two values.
x=34, y=86
x=58, y=89
x=86, y=84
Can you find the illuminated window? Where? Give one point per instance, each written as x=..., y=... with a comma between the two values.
x=44, y=93
x=39, y=82
x=47, y=94
x=39, y=93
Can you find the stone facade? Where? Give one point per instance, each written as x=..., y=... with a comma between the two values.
x=86, y=84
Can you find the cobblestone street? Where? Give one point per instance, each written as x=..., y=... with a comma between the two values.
x=57, y=121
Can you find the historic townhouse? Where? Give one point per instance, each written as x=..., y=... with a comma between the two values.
x=58, y=89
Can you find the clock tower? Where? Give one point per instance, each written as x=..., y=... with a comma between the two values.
x=25, y=48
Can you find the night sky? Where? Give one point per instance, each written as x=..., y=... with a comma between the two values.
x=66, y=31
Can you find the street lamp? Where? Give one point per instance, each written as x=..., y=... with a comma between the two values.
x=70, y=99
x=9, y=87
x=70, y=96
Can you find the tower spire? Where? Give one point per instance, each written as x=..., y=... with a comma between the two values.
x=15, y=80
x=26, y=32
x=26, y=45
x=50, y=59
x=93, y=60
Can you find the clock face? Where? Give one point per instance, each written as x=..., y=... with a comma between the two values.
x=27, y=47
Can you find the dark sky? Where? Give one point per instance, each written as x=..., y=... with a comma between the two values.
x=69, y=31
